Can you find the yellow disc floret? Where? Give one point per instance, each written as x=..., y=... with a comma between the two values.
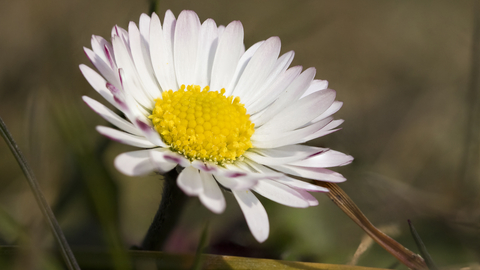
x=202, y=124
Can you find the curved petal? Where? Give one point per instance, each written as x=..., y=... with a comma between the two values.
x=185, y=46
x=238, y=183
x=255, y=214
x=207, y=46
x=280, y=193
x=161, y=50
x=110, y=116
x=283, y=154
x=320, y=174
x=134, y=163
x=125, y=138
x=326, y=159
x=211, y=196
x=258, y=68
x=312, y=201
x=162, y=164
x=316, y=85
x=99, y=84
x=299, y=113
x=230, y=48
x=190, y=182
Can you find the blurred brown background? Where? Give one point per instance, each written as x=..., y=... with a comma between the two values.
x=402, y=69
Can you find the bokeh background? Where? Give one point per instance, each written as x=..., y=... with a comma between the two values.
x=402, y=68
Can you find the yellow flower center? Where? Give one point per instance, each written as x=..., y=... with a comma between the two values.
x=202, y=124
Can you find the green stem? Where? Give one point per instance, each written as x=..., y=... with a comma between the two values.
x=167, y=214
x=46, y=210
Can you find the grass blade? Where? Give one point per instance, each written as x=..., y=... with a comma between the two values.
x=422, y=247
x=46, y=210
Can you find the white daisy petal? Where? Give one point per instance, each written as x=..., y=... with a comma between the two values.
x=280, y=193
x=124, y=138
x=237, y=183
x=290, y=137
x=190, y=182
x=134, y=163
x=211, y=196
x=207, y=46
x=107, y=72
x=111, y=117
x=331, y=110
x=299, y=113
x=316, y=85
x=258, y=68
x=275, y=89
x=265, y=89
x=283, y=154
x=161, y=50
x=144, y=27
x=161, y=161
x=230, y=48
x=320, y=174
x=141, y=58
x=185, y=46
x=326, y=159
x=291, y=94
x=329, y=128
x=99, y=84
x=255, y=214
x=289, y=181
x=312, y=201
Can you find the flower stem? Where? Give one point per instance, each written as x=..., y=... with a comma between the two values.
x=167, y=214
x=342, y=200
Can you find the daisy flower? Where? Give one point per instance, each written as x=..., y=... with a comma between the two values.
x=193, y=97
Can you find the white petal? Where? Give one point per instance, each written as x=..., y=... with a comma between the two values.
x=130, y=79
x=320, y=174
x=141, y=58
x=317, y=85
x=207, y=46
x=111, y=117
x=229, y=50
x=103, y=49
x=124, y=138
x=273, y=92
x=326, y=159
x=291, y=137
x=331, y=110
x=258, y=68
x=190, y=182
x=289, y=181
x=99, y=84
x=291, y=94
x=282, y=155
x=299, y=113
x=107, y=72
x=165, y=155
x=255, y=214
x=280, y=193
x=185, y=46
x=238, y=183
x=211, y=196
x=329, y=128
x=162, y=164
x=312, y=201
x=276, y=74
x=134, y=163
x=144, y=26
x=161, y=50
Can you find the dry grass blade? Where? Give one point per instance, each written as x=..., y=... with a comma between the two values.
x=46, y=210
x=342, y=200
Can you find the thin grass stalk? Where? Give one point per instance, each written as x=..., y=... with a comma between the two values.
x=342, y=200
x=66, y=252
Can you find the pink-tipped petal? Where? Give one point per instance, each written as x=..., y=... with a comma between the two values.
x=255, y=214
x=134, y=163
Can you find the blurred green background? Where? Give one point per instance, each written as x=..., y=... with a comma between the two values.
x=402, y=69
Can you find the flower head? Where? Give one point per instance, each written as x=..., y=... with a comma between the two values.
x=194, y=97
